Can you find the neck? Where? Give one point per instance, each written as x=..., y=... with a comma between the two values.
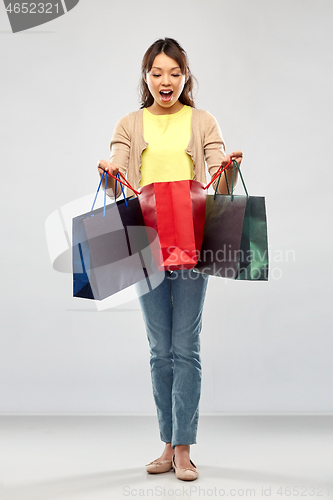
x=156, y=109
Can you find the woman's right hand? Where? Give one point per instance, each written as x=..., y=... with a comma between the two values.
x=107, y=166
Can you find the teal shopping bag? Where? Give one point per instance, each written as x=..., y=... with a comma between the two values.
x=254, y=244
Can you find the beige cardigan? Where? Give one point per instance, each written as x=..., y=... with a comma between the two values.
x=206, y=144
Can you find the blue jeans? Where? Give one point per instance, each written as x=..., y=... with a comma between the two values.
x=173, y=315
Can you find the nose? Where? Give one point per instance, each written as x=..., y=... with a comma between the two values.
x=165, y=80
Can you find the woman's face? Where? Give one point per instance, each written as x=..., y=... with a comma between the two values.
x=165, y=82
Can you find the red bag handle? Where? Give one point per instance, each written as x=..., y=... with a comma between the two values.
x=127, y=184
x=219, y=172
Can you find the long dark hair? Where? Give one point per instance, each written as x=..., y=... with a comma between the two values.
x=171, y=48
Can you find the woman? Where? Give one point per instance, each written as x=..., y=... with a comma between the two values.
x=168, y=139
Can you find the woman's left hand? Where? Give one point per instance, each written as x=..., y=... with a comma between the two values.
x=236, y=155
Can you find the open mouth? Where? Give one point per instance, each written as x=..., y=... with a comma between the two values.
x=166, y=95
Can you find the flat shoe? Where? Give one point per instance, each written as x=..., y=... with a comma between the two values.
x=188, y=474
x=156, y=467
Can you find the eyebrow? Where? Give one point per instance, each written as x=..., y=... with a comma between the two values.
x=176, y=67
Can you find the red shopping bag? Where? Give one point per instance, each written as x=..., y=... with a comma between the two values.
x=176, y=210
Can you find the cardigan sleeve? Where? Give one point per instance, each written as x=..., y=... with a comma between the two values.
x=120, y=145
x=214, y=146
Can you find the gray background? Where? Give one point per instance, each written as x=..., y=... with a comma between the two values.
x=264, y=71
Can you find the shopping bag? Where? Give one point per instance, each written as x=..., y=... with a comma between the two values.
x=235, y=236
x=176, y=211
x=254, y=263
x=111, y=250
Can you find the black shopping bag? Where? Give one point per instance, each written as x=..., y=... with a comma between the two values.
x=235, y=237
x=111, y=250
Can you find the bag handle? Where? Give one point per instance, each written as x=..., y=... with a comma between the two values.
x=217, y=174
x=99, y=185
x=235, y=165
x=105, y=188
x=122, y=190
x=123, y=182
x=127, y=184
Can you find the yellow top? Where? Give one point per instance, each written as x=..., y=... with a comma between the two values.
x=165, y=159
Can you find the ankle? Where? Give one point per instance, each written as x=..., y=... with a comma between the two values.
x=182, y=447
x=167, y=452
x=182, y=450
